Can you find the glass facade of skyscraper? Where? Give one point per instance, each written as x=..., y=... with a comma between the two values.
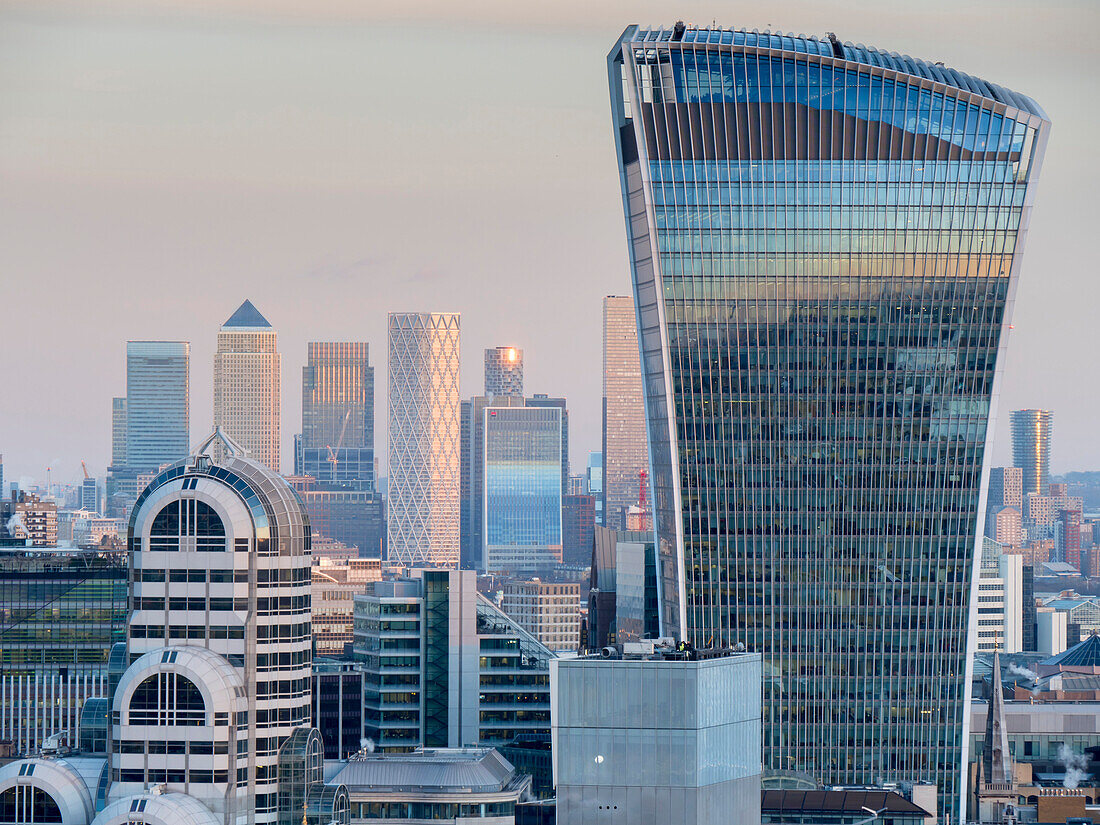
x=422, y=510
x=337, y=445
x=824, y=241
x=1031, y=433
x=504, y=371
x=60, y=613
x=523, y=487
x=625, y=453
x=158, y=403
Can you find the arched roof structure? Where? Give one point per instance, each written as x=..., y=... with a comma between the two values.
x=56, y=778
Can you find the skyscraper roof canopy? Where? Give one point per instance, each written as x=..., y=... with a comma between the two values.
x=246, y=316
x=831, y=47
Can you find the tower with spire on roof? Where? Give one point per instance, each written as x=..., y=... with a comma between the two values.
x=247, y=384
x=995, y=788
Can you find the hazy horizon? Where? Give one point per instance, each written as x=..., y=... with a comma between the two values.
x=162, y=161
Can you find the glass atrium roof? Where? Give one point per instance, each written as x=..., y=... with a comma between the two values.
x=1084, y=654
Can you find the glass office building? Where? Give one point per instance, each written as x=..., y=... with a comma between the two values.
x=1031, y=432
x=624, y=425
x=504, y=372
x=523, y=487
x=337, y=442
x=158, y=403
x=444, y=667
x=825, y=240
x=60, y=613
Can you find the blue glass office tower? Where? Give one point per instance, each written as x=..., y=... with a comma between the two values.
x=523, y=488
x=825, y=241
x=158, y=403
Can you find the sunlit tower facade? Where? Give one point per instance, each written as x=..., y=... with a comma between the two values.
x=504, y=372
x=422, y=521
x=337, y=442
x=625, y=451
x=248, y=384
x=824, y=240
x=1031, y=434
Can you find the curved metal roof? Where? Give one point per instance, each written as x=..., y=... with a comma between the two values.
x=277, y=512
x=444, y=770
x=156, y=809
x=853, y=53
x=60, y=780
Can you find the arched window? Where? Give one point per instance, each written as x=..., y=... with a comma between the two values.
x=167, y=699
x=25, y=805
x=186, y=518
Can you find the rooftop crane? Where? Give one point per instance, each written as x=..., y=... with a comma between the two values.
x=332, y=454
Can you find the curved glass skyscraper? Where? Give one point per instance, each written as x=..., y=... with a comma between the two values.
x=825, y=243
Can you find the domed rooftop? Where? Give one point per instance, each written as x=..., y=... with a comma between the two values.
x=59, y=780
x=156, y=809
x=276, y=510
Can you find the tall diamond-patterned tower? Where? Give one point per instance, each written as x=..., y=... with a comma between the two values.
x=423, y=507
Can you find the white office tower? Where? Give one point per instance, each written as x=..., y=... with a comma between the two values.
x=219, y=642
x=424, y=459
x=248, y=385
x=1000, y=613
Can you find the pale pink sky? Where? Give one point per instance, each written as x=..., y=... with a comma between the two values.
x=334, y=160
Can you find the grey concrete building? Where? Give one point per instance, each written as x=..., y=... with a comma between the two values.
x=648, y=741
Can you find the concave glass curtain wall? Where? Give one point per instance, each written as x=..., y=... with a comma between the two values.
x=825, y=241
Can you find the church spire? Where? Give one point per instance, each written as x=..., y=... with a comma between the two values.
x=996, y=760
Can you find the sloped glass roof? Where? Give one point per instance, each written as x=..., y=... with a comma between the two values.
x=1083, y=654
x=246, y=316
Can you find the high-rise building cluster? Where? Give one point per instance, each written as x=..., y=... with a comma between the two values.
x=1030, y=515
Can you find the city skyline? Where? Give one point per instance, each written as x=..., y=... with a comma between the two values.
x=827, y=537
x=127, y=61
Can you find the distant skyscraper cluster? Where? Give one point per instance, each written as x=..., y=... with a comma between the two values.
x=1031, y=516
x=776, y=540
